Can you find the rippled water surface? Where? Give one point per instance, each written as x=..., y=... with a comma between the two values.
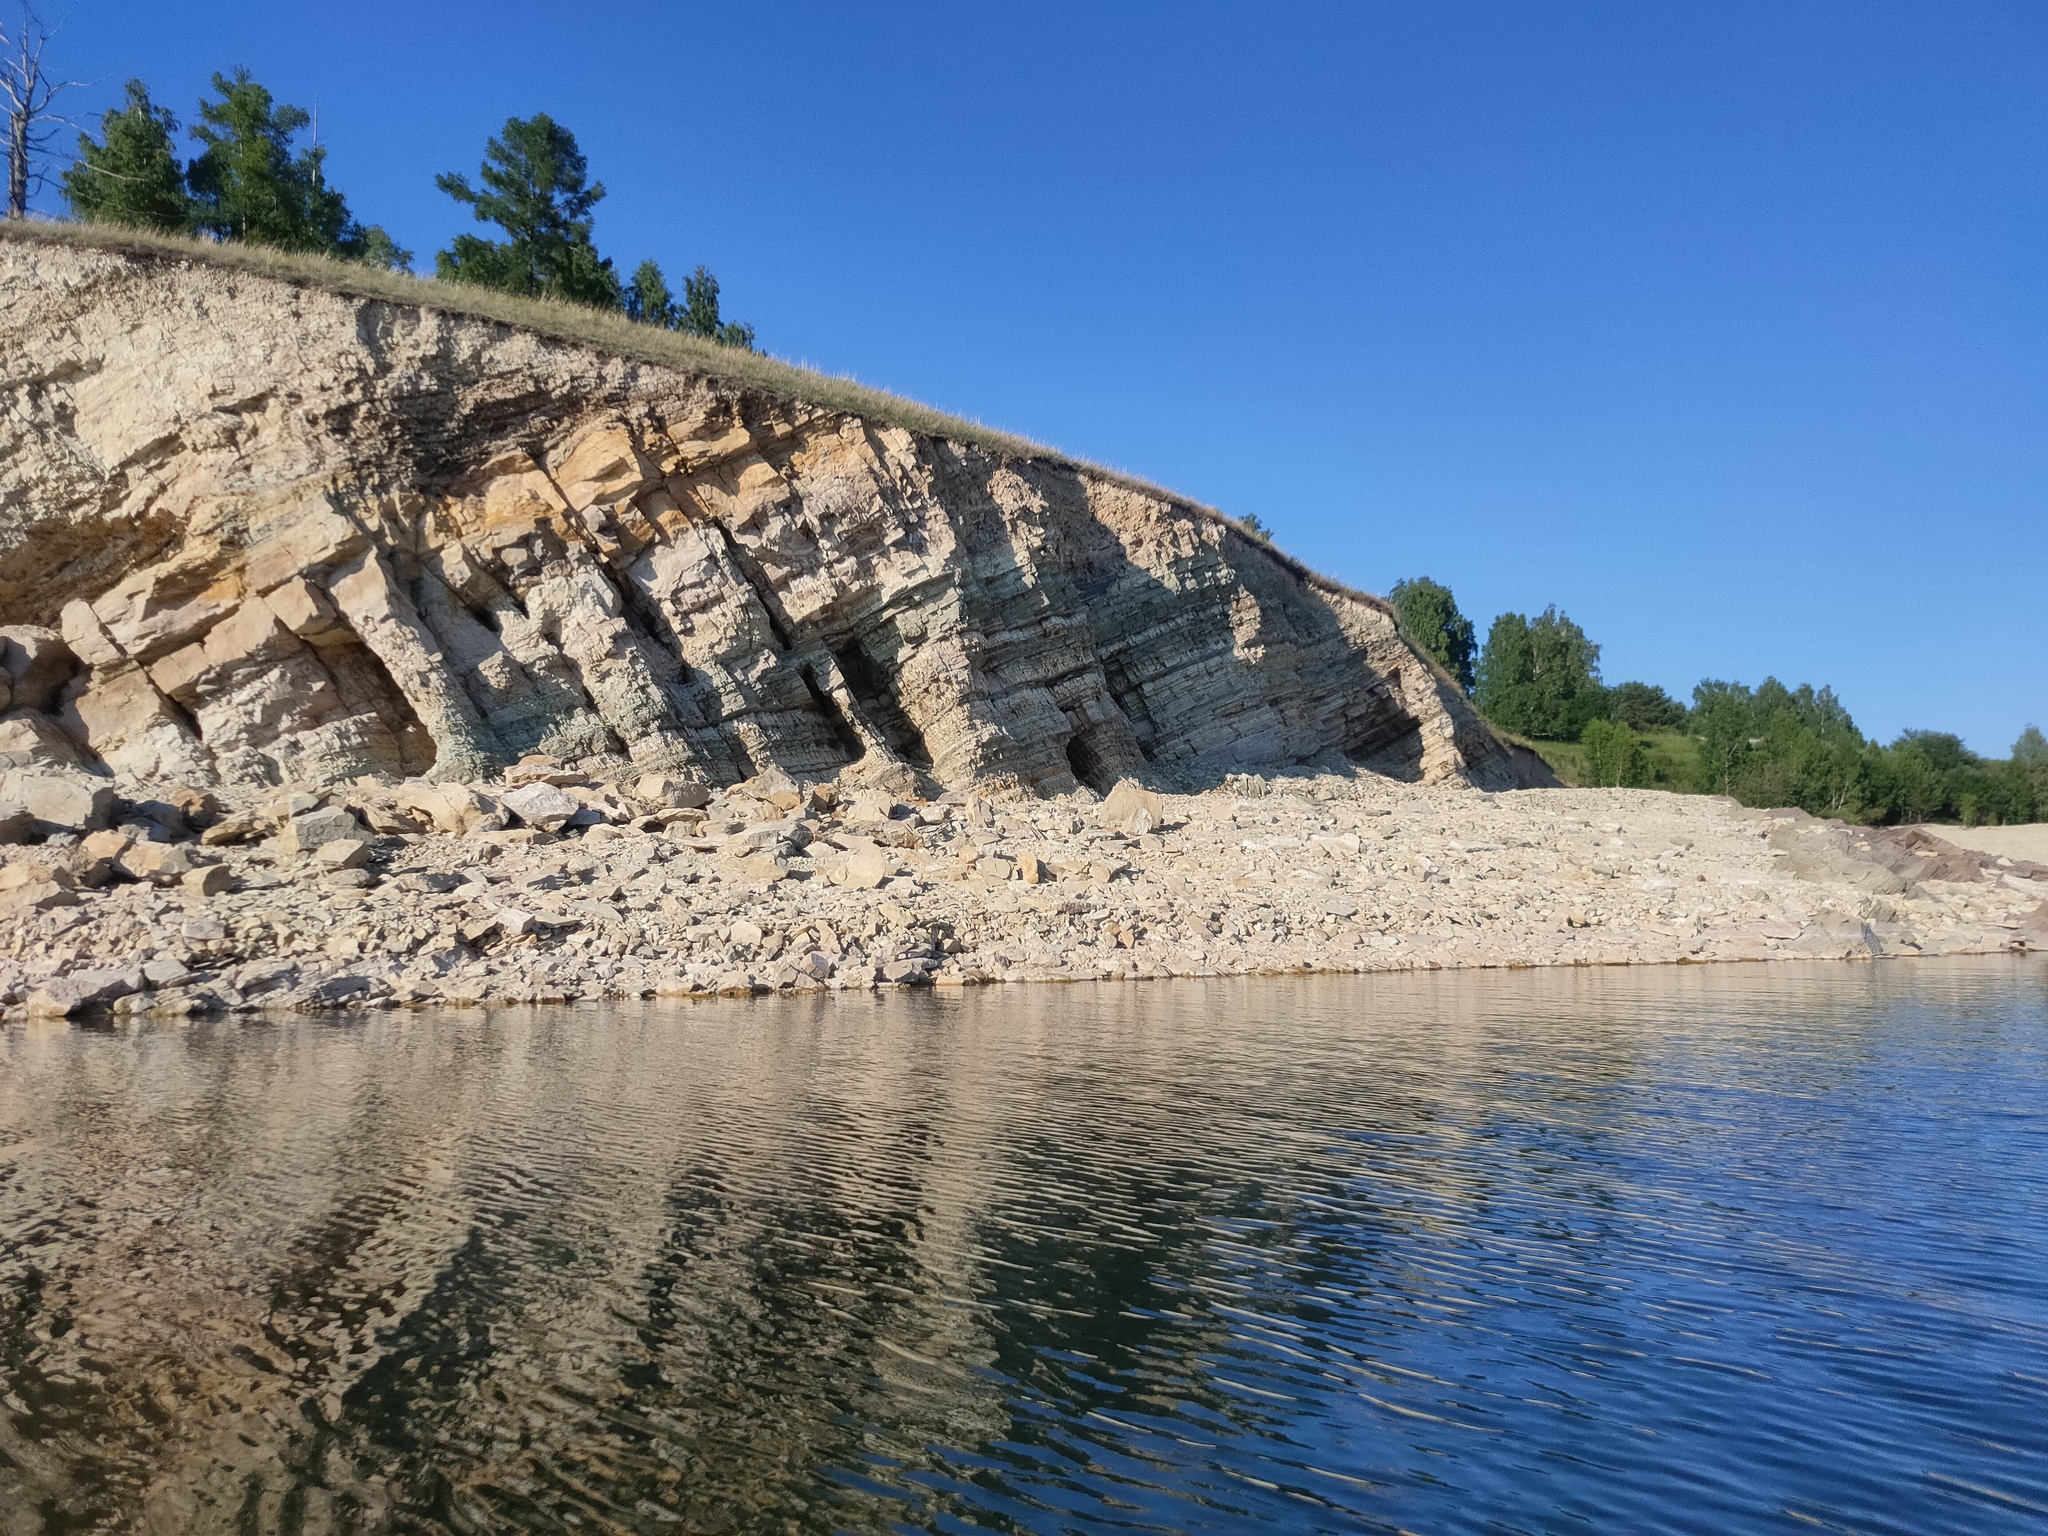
x=1714, y=1250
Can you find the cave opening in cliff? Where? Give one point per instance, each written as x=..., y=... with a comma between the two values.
x=1086, y=762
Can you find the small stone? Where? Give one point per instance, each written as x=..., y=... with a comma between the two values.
x=1031, y=869
x=204, y=930
x=994, y=868
x=1340, y=906
x=342, y=853
x=165, y=971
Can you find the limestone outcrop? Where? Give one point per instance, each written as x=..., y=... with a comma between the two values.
x=258, y=532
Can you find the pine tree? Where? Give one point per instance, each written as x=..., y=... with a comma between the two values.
x=249, y=184
x=131, y=175
x=536, y=189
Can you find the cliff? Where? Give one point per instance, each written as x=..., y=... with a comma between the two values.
x=291, y=533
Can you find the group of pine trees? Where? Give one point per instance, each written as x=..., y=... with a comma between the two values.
x=1770, y=745
x=252, y=182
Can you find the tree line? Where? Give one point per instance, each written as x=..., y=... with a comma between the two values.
x=1766, y=746
x=254, y=180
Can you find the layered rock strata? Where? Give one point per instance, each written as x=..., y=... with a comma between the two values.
x=289, y=536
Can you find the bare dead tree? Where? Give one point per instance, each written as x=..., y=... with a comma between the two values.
x=27, y=91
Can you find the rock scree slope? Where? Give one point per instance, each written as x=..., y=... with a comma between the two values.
x=291, y=535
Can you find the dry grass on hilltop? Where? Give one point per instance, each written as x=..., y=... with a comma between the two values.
x=614, y=333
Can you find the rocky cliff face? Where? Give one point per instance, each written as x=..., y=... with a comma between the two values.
x=293, y=536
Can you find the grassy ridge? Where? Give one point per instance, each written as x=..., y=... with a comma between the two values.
x=614, y=333
x=1674, y=759
x=548, y=317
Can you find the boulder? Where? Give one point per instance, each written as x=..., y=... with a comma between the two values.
x=14, y=876
x=82, y=992
x=871, y=805
x=771, y=785
x=233, y=829
x=30, y=740
x=542, y=805
x=672, y=794
x=60, y=802
x=1133, y=809
x=210, y=880
x=312, y=830
x=158, y=863
x=454, y=808
x=38, y=896
x=866, y=868
x=342, y=853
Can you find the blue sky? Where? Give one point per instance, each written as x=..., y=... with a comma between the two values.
x=1719, y=325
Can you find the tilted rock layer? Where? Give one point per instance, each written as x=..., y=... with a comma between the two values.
x=295, y=536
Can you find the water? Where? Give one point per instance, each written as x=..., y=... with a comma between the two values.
x=1713, y=1250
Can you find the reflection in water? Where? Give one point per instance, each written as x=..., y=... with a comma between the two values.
x=1696, y=1250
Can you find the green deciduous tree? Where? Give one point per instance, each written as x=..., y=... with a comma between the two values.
x=1615, y=756
x=1429, y=617
x=2030, y=757
x=648, y=298
x=130, y=175
x=250, y=184
x=700, y=315
x=1540, y=677
x=536, y=188
x=1780, y=746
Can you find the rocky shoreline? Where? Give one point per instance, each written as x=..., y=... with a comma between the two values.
x=554, y=885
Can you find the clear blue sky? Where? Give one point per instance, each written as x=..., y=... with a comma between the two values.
x=1720, y=325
